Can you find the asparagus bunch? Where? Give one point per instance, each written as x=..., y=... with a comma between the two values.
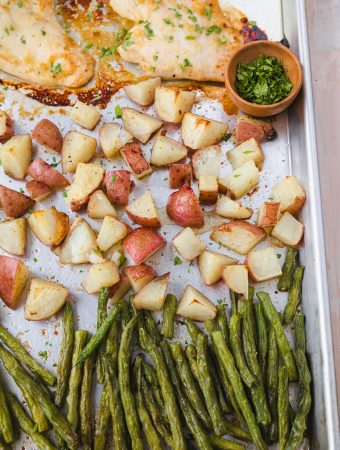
x=186, y=393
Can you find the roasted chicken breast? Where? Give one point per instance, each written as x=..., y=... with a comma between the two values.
x=179, y=39
x=34, y=47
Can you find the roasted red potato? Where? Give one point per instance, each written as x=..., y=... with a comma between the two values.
x=13, y=275
x=141, y=243
x=15, y=204
x=179, y=174
x=6, y=127
x=238, y=236
x=38, y=191
x=139, y=275
x=152, y=295
x=118, y=185
x=135, y=159
x=47, y=133
x=144, y=211
x=41, y=171
x=183, y=208
x=249, y=127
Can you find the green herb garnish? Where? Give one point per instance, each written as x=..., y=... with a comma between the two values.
x=177, y=261
x=214, y=29
x=118, y=112
x=149, y=33
x=43, y=355
x=262, y=81
x=107, y=51
x=207, y=11
x=122, y=260
x=55, y=68
x=227, y=136
x=186, y=63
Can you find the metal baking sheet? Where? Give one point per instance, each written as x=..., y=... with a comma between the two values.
x=293, y=151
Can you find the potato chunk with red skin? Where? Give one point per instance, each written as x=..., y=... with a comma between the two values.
x=13, y=275
x=41, y=171
x=134, y=157
x=249, y=127
x=48, y=134
x=179, y=174
x=141, y=243
x=6, y=127
x=183, y=208
x=139, y=275
x=15, y=204
x=38, y=191
x=118, y=185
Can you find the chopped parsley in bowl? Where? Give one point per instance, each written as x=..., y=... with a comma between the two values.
x=262, y=81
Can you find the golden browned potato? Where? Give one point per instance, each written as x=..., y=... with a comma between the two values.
x=49, y=225
x=45, y=298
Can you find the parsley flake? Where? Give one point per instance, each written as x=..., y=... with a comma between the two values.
x=43, y=355
x=186, y=63
x=214, y=29
x=227, y=137
x=149, y=33
x=107, y=51
x=177, y=261
x=122, y=260
x=207, y=11
x=118, y=112
x=55, y=68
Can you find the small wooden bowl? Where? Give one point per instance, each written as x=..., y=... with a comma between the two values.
x=252, y=51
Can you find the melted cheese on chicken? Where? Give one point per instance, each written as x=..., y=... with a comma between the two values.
x=174, y=39
x=35, y=48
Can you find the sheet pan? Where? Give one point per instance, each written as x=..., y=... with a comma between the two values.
x=294, y=151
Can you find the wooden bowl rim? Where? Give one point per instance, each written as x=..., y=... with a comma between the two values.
x=273, y=44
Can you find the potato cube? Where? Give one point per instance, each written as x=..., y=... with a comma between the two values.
x=208, y=189
x=85, y=115
x=243, y=180
x=188, y=244
x=288, y=230
x=248, y=150
x=77, y=148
